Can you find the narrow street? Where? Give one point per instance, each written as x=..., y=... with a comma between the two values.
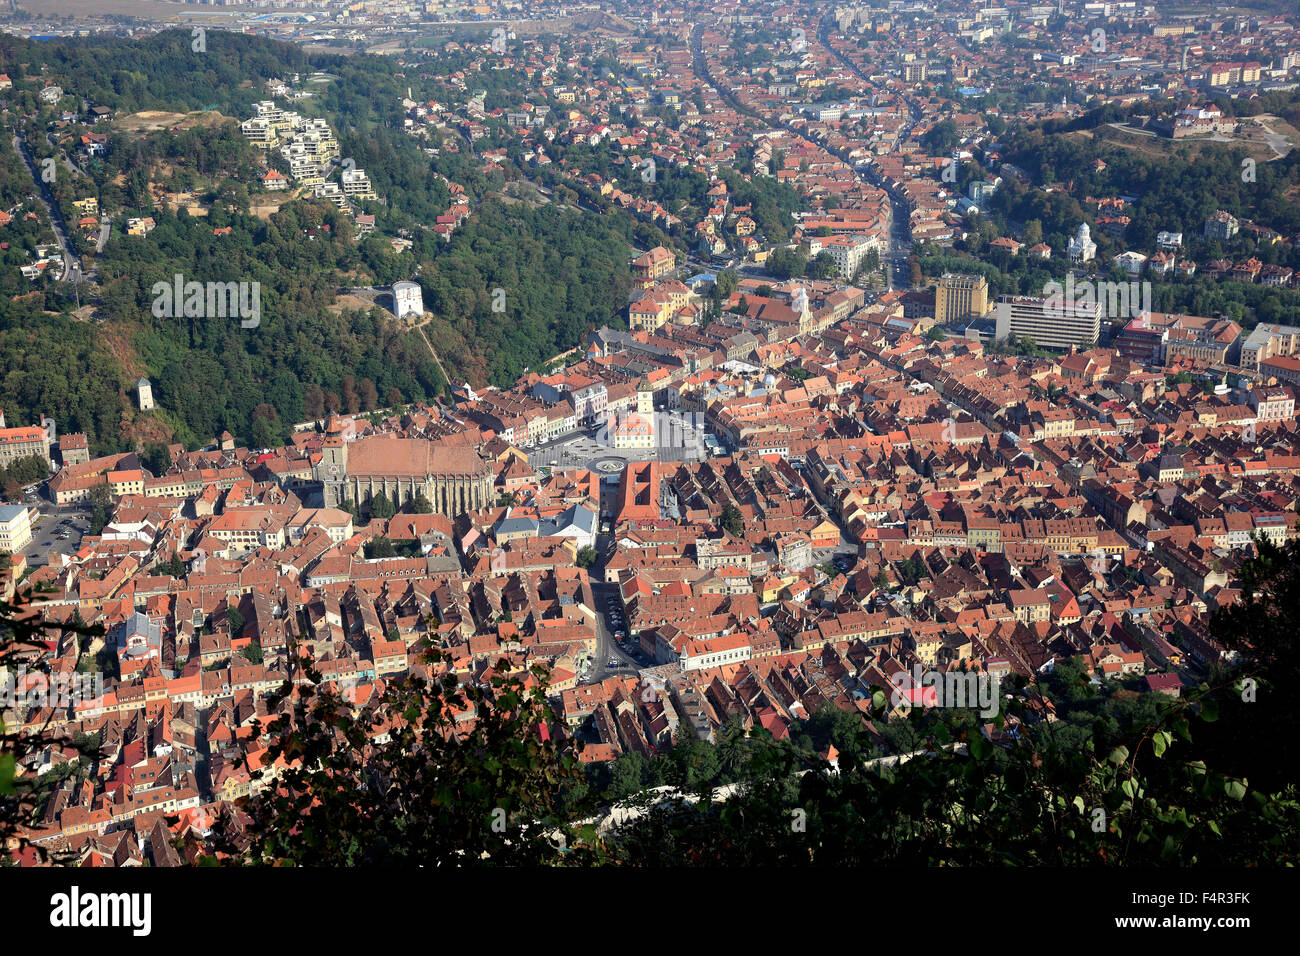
x=607, y=644
x=898, y=249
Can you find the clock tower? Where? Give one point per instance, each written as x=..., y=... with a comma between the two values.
x=332, y=471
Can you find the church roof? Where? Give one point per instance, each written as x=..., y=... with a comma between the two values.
x=388, y=456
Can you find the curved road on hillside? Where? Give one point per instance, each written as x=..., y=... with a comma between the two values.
x=71, y=267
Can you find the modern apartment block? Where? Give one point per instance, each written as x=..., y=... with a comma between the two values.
x=269, y=125
x=307, y=145
x=959, y=297
x=356, y=184
x=259, y=132
x=1035, y=318
x=332, y=192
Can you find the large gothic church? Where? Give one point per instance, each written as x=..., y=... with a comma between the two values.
x=453, y=478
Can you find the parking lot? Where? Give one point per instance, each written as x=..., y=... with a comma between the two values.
x=843, y=563
x=846, y=549
x=55, y=531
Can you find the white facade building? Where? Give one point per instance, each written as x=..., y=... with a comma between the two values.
x=407, y=299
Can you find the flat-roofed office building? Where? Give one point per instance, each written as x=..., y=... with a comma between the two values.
x=1048, y=323
x=958, y=297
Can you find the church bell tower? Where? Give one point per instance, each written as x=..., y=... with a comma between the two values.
x=333, y=468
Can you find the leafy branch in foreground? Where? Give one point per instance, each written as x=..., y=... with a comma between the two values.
x=1126, y=780
x=1028, y=803
x=434, y=773
x=439, y=773
x=25, y=637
